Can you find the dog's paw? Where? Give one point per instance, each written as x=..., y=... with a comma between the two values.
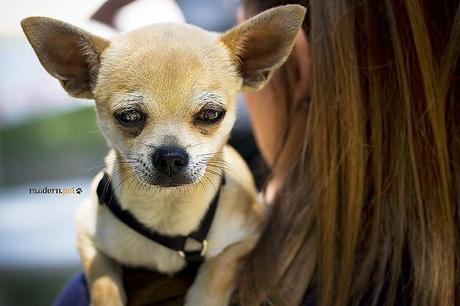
x=106, y=293
x=107, y=301
x=197, y=297
x=190, y=301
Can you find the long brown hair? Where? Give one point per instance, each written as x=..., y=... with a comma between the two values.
x=370, y=212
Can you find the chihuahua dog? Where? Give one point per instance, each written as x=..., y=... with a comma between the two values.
x=173, y=193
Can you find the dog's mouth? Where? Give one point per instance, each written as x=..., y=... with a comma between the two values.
x=171, y=182
x=155, y=178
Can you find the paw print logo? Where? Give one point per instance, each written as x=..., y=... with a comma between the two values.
x=79, y=190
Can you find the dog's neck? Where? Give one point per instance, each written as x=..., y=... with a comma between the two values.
x=171, y=211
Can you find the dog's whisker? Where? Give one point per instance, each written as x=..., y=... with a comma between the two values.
x=218, y=165
x=120, y=170
x=209, y=154
x=119, y=185
x=194, y=145
x=104, y=164
x=214, y=168
x=211, y=182
x=131, y=182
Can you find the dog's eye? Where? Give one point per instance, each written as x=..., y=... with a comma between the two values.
x=130, y=118
x=209, y=116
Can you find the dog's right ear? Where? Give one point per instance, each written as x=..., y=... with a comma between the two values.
x=68, y=53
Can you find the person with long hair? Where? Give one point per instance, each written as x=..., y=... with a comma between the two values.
x=361, y=131
x=361, y=128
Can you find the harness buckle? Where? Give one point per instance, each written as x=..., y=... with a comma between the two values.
x=204, y=249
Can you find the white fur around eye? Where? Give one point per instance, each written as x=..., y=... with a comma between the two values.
x=210, y=97
x=123, y=100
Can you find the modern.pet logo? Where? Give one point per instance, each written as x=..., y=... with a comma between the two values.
x=57, y=191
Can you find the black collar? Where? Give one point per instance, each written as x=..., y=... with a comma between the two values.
x=176, y=243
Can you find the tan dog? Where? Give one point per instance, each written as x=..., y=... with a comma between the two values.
x=165, y=101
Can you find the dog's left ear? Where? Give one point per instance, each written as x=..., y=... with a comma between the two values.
x=262, y=44
x=68, y=53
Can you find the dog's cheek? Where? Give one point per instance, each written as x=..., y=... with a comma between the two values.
x=115, y=138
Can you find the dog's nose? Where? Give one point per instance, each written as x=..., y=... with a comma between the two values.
x=170, y=160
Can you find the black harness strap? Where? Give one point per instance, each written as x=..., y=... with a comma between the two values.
x=176, y=243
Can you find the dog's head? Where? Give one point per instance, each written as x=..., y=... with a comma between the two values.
x=165, y=94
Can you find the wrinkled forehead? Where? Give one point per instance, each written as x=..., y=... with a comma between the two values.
x=168, y=63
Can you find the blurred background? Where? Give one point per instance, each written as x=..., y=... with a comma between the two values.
x=50, y=140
